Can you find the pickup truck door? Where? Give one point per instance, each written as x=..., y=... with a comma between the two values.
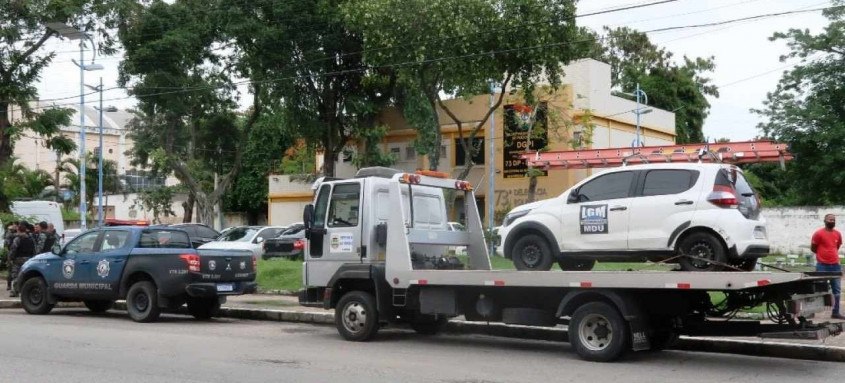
x=336, y=233
x=74, y=270
x=107, y=267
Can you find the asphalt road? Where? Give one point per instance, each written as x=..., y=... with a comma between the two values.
x=71, y=345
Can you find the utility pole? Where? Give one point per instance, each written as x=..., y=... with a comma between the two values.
x=491, y=191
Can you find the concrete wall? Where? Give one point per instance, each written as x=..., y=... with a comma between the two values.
x=790, y=228
x=287, y=200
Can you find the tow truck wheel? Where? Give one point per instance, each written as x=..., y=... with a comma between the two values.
x=203, y=308
x=99, y=306
x=142, y=302
x=356, y=316
x=532, y=252
x=598, y=332
x=34, y=296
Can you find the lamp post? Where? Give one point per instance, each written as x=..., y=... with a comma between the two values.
x=640, y=94
x=72, y=33
x=99, y=157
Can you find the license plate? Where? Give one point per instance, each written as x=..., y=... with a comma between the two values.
x=225, y=287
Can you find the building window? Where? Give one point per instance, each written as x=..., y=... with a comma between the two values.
x=477, y=159
x=410, y=153
x=396, y=153
x=443, y=151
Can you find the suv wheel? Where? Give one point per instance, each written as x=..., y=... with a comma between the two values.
x=142, y=302
x=702, y=252
x=532, y=252
x=34, y=296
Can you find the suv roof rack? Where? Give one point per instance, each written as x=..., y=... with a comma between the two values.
x=724, y=152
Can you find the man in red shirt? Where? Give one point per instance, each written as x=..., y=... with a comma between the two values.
x=826, y=243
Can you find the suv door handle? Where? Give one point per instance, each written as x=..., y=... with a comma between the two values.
x=618, y=208
x=684, y=202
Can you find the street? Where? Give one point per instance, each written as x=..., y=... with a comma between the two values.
x=72, y=345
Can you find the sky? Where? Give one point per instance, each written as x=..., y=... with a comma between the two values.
x=747, y=63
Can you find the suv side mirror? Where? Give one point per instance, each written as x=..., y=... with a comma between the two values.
x=573, y=197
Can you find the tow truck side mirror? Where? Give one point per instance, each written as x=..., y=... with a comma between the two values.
x=308, y=219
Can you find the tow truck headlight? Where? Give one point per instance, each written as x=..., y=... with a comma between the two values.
x=513, y=216
x=760, y=232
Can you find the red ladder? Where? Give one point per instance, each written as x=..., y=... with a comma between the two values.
x=725, y=152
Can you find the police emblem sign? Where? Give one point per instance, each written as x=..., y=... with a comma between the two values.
x=594, y=219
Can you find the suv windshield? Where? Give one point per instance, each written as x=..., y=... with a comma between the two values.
x=239, y=234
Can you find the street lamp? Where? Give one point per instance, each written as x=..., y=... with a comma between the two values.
x=639, y=93
x=72, y=33
x=99, y=156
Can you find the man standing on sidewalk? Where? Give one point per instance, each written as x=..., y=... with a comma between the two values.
x=826, y=243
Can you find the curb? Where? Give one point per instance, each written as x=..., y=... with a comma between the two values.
x=713, y=345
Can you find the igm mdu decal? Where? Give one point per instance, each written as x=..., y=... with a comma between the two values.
x=594, y=219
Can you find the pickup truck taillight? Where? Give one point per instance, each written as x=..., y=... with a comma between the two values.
x=192, y=261
x=299, y=244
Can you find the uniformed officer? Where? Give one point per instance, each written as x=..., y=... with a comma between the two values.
x=50, y=234
x=9, y=237
x=22, y=249
x=39, y=235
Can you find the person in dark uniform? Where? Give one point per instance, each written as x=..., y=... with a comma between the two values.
x=22, y=249
x=49, y=237
x=9, y=237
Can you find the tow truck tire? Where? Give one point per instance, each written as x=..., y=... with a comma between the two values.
x=532, y=252
x=99, y=306
x=598, y=332
x=142, y=302
x=576, y=265
x=428, y=324
x=702, y=245
x=203, y=308
x=356, y=316
x=34, y=296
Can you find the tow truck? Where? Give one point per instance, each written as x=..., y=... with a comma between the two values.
x=377, y=254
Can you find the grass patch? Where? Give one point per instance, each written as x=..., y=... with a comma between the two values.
x=279, y=274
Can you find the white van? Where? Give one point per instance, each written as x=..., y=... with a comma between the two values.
x=37, y=211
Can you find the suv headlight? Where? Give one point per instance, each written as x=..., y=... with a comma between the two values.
x=513, y=216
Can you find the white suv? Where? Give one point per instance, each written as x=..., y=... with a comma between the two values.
x=703, y=216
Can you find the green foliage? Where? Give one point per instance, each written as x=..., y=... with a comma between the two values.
x=70, y=168
x=22, y=59
x=156, y=200
x=805, y=111
x=680, y=88
x=371, y=154
x=17, y=181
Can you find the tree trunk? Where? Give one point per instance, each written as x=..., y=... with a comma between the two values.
x=329, y=158
x=6, y=148
x=205, y=210
x=532, y=188
x=188, y=206
x=434, y=152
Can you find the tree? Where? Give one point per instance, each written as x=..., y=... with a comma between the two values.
x=111, y=182
x=806, y=110
x=20, y=182
x=458, y=47
x=22, y=59
x=158, y=201
x=192, y=131
x=682, y=87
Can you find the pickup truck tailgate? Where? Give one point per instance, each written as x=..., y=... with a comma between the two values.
x=226, y=265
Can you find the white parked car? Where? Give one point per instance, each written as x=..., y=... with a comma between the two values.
x=457, y=226
x=707, y=212
x=245, y=238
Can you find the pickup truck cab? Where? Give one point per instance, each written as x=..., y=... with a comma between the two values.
x=153, y=269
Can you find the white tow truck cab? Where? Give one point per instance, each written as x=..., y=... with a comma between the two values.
x=378, y=254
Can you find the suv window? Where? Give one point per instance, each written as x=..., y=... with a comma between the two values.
x=114, y=239
x=668, y=181
x=609, y=186
x=85, y=243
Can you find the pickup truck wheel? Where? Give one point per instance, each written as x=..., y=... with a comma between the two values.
x=532, y=252
x=704, y=247
x=203, y=309
x=142, y=302
x=34, y=296
x=99, y=306
x=356, y=316
x=598, y=332
x=428, y=324
x=576, y=265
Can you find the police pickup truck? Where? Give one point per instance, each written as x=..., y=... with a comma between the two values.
x=154, y=269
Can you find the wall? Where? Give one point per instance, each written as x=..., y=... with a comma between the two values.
x=286, y=200
x=122, y=206
x=790, y=228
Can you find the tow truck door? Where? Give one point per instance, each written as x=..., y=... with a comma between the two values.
x=335, y=236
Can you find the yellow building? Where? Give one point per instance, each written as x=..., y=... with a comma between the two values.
x=583, y=112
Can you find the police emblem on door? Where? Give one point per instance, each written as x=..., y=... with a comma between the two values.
x=212, y=265
x=594, y=219
x=103, y=268
x=68, y=266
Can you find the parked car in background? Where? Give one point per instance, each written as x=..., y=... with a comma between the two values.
x=245, y=238
x=457, y=226
x=37, y=211
x=289, y=244
x=200, y=234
